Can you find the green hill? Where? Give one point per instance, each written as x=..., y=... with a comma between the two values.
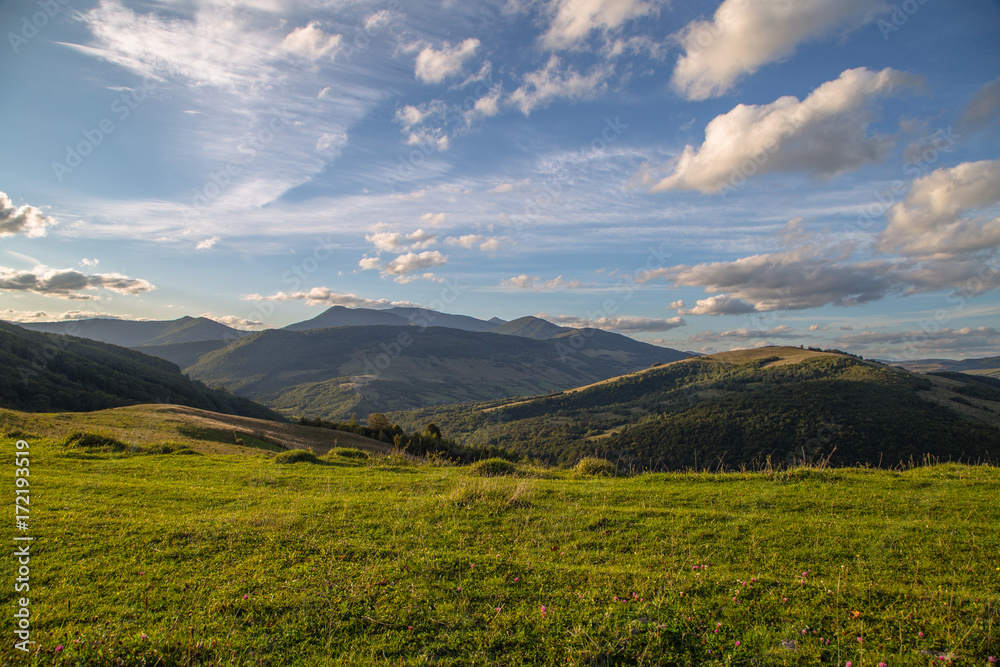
x=333, y=373
x=735, y=409
x=44, y=372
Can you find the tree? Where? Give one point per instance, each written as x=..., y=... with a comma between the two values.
x=379, y=422
x=432, y=431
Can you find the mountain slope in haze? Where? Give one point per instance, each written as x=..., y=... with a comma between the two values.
x=131, y=333
x=44, y=372
x=985, y=366
x=333, y=373
x=530, y=327
x=341, y=316
x=742, y=408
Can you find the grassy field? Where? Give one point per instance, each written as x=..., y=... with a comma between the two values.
x=222, y=559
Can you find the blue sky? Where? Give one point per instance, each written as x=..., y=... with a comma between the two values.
x=699, y=175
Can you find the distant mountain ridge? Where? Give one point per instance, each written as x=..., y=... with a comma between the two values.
x=133, y=333
x=341, y=316
x=336, y=372
x=530, y=327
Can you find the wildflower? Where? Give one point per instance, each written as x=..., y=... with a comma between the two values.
x=246, y=597
x=59, y=648
x=882, y=664
x=920, y=634
x=992, y=660
x=848, y=664
x=544, y=610
x=859, y=640
x=737, y=642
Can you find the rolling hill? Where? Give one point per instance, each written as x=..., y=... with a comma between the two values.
x=341, y=316
x=333, y=373
x=743, y=408
x=45, y=372
x=987, y=366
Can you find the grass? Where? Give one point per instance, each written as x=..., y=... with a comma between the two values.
x=205, y=560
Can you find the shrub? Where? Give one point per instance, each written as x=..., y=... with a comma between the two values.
x=493, y=468
x=349, y=453
x=95, y=441
x=493, y=495
x=296, y=456
x=592, y=465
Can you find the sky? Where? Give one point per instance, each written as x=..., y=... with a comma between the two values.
x=699, y=175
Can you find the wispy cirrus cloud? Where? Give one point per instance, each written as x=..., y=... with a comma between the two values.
x=324, y=296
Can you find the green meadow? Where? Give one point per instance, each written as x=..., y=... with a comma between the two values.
x=143, y=558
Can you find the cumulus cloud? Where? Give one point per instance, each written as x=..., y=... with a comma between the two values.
x=206, y=243
x=524, y=281
x=11, y=315
x=983, y=110
x=721, y=304
x=89, y=263
x=413, y=262
x=436, y=65
x=929, y=222
x=818, y=327
x=743, y=36
x=434, y=219
x=805, y=277
x=485, y=243
x=26, y=220
x=399, y=242
x=914, y=344
x=311, y=42
x=782, y=331
x=575, y=20
x=505, y=187
x=324, y=296
x=68, y=283
x=623, y=324
x=550, y=83
x=823, y=135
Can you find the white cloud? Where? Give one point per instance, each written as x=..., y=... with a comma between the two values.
x=504, y=188
x=323, y=94
x=26, y=220
x=234, y=321
x=413, y=262
x=823, y=135
x=11, y=315
x=68, y=283
x=331, y=140
x=524, y=281
x=378, y=20
x=745, y=335
x=369, y=263
x=434, y=219
x=311, y=42
x=818, y=327
x=743, y=36
x=324, y=296
x=89, y=263
x=399, y=242
x=436, y=65
x=574, y=20
x=805, y=277
x=623, y=324
x=721, y=304
x=929, y=223
x=206, y=243
x=965, y=342
x=677, y=305
x=550, y=83
x=485, y=243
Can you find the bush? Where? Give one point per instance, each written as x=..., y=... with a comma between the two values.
x=95, y=441
x=296, y=456
x=348, y=453
x=494, y=496
x=493, y=468
x=592, y=465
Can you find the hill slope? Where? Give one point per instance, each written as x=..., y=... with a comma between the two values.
x=741, y=408
x=530, y=327
x=987, y=366
x=45, y=372
x=333, y=373
x=129, y=333
x=341, y=316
